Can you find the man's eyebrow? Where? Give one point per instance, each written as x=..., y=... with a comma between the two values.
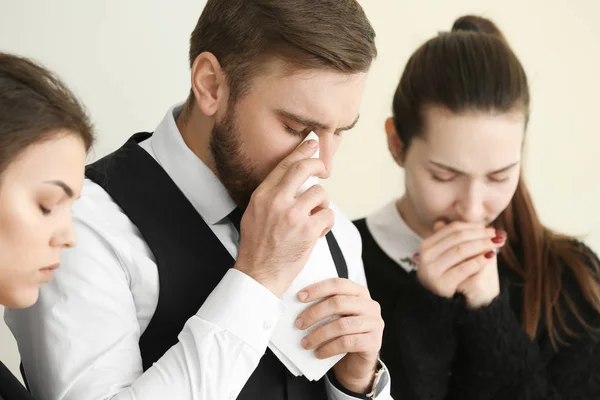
x=309, y=122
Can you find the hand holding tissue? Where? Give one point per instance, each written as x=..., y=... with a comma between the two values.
x=286, y=340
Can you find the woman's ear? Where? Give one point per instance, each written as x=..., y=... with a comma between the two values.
x=395, y=144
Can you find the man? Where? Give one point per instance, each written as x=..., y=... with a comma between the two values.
x=163, y=297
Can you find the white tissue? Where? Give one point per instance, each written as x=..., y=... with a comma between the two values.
x=285, y=340
x=313, y=180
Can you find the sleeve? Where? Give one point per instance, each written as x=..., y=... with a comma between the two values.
x=80, y=341
x=381, y=389
x=502, y=362
x=424, y=343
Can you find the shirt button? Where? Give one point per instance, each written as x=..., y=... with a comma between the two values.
x=268, y=324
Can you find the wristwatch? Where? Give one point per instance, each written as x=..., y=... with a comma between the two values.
x=379, y=382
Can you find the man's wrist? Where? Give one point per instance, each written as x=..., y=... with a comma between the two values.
x=360, y=389
x=269, y=281
x=355, y=384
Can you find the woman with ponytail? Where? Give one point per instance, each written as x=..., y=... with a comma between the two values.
x=481, y=301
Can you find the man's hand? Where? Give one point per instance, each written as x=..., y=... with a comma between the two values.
x=357, y=332
x=278, y=229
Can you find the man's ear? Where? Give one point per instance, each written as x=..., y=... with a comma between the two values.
x=209, y=85
x=395, y=144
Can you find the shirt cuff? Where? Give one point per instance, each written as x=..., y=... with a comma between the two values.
x=335, y=390
x=243, y=307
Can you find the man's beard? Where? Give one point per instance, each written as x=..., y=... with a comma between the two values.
x=234, y=169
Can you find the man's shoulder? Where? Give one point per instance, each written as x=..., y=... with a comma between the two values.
x=96, y=210
x=94, y=203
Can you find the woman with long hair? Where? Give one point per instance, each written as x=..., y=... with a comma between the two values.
x=480, y=300
x=44, y=137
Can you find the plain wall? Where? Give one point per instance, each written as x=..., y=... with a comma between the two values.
x=127, y=60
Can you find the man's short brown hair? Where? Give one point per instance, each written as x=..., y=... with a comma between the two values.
x=306, y=34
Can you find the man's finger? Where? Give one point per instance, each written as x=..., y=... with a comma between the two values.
x=302, y=152
x=357, y=343
x=335, y=305
x=339, y=327
x=332, y=287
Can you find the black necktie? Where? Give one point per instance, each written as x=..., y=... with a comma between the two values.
x=236, y=218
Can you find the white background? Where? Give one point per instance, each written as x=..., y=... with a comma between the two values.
x=127, y=60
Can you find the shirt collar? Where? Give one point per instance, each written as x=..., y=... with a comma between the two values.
x=197, y=182
x=393, y=236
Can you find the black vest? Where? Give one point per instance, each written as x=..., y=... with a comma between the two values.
x=191, y=262
x=10, y=387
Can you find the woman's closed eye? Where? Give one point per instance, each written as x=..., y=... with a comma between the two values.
x=498, y=178
x=45, y=210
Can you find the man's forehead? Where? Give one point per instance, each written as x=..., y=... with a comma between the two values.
x=327, y=98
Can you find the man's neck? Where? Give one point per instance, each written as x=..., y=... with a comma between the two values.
x=195, y=131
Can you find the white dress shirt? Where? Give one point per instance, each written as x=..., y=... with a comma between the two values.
x=81, y=340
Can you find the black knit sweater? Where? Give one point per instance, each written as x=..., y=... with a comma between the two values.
x=435, y=349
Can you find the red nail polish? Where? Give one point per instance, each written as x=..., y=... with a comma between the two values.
x=490, y=254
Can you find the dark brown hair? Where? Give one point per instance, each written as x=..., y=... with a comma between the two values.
x=34, y=106
x=320, y=34
x=472, y=68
